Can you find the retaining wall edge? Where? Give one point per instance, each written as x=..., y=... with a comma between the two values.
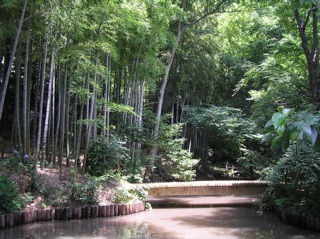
x=59, y=214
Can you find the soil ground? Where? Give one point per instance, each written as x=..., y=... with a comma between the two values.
x=51, y=178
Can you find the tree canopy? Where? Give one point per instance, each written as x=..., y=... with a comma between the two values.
x=146, y=76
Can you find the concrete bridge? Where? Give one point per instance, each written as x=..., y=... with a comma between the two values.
x=206, y=188
x=205, y=193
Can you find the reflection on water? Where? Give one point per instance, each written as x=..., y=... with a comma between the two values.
x=220, y=222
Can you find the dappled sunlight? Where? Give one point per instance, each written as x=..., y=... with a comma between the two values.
x=193, y=223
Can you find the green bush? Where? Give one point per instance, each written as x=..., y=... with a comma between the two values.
x=125, y=194
x=295, y=181
x=254, y=165
x=104, y=156
x=174, y=162
x=83, y=193
x=66, y=194
x=9, y=198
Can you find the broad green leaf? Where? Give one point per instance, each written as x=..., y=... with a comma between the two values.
x=305, y=128
x=271, y=129
x=311, y=120
x=286, y=112
x=293, y=137
x=278, y=119
x=300, y=135
x=266, y=137
x=314, y=136
x=280, y=130
x=274, y=141
x=284, y=145
x=268, y=124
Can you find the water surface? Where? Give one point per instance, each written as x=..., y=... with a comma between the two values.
x=239, y=221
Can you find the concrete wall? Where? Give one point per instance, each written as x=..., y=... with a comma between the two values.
x=207, y=190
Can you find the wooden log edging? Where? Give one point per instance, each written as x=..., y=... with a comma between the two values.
x=306, y=222
x=59, y=214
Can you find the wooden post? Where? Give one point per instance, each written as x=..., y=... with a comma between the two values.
x=84, y=212
x=2, y=221
x=102, y=211
x=112, y=210
x=108, y=211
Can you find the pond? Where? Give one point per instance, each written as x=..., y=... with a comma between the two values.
x=226, y=217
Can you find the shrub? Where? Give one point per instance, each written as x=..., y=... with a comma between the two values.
x=124, y=194
x=9, y=198
x=83, y=193
x=295, y=181
x=174, y=163
x=104, y=156
x=67, y=193
x=253, y=164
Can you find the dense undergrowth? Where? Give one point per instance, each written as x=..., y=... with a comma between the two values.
x=295, y=181
x=23, y=188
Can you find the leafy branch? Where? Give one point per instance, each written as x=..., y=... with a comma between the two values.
x=287, y=127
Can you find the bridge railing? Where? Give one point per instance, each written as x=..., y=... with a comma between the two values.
x=206, y=188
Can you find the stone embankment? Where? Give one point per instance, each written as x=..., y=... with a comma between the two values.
x=10, y=220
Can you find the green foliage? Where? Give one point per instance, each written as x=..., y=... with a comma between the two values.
x=295, y=181
x=225, y=128
x=128, y=194
x=253, y=164
x=83, y=193
x=104, y=155
x=75, y=193
x=300, y=3
x=18, y=162
x=13, y=163
x=122, y=195
x=10, y=201
x=174, y=162
x=287, y=127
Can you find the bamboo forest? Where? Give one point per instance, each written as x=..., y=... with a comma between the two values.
x=158, y=91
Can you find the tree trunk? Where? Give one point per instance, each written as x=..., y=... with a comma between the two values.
x=57, y=128
x=65, y=130
x=91, y=113
x=312, y=54
x=154, y=149
x=181, y=28
x=49, y=101
x=6, y=80
x=52, y=116
x=26, y=106
x=42, y=84
x=106, y=111
x=17, y=105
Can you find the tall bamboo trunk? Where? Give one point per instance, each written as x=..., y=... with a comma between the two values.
x=42, y=84
x=91, y=114
x=49, y=101
x=59, y=111
x=65, y=138
x=13, y=51
x=26, y=106
x=17, y=128
x=106, y=111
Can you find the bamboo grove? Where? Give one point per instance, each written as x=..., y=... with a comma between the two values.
x=75, y=71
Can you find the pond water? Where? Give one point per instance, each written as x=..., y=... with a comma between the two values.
x=240, y=220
